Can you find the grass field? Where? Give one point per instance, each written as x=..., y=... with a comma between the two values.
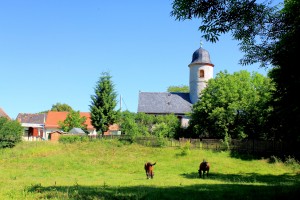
x=108, y=169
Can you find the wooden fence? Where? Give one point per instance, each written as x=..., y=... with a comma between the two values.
x=243, y=146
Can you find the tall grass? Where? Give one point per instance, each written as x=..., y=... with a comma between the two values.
x=109, y=169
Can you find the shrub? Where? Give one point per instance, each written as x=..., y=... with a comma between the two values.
x=186, y=149
x=291, y=161
x=72, y=139
x=11, y=133
x=274, y=159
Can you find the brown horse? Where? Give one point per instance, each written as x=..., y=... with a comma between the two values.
x=149, y=169
x=204, y=167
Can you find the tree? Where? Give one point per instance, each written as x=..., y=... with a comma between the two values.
x=61, y=107
x=253, y=24
x=103, y=104
x=233, y=105
x=267, y=34
x=286, y=99
x=181, y=88
x=128, y=125
x=73, y=120
x=11, y=132
x=166, y=126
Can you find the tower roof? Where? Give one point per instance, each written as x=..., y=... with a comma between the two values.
x=201, y=56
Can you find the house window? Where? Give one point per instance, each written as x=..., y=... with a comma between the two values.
x=201, y=73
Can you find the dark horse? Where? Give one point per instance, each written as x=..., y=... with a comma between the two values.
x=204, y=167
x=149, y=169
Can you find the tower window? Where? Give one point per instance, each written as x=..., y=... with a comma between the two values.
x=201, y=73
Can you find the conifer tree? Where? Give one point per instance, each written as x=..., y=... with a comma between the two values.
x=103, y=104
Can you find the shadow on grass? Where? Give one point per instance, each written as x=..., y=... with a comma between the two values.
x=245, y=155
x=197, y=191
x=284, y=179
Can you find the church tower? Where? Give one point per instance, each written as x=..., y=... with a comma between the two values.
x=201, y=70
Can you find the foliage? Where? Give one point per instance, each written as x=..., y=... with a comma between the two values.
x=249, y=22
x=73, y=120
x=285, y=120
x=72, y=139
x=186, y=149
x=233, y=104
x=61, y=107
x=128, y=126
x=103, y=104
x=181, y=88
x=268, y=35
x=3, y=120
x=11, y=132
x=141, y=124
x=226, y=142
x=145, y=123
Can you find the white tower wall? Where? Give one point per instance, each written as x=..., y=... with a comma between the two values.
x=197, y=83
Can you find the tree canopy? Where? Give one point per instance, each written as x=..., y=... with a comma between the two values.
x=73, y=120
x=233, y=104
x=180, y=88
x=61, y=107
x=255, y=25
x=268, y=34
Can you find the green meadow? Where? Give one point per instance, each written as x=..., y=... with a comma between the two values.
x=109, y=169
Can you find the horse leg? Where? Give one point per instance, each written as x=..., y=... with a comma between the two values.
x=151, y=174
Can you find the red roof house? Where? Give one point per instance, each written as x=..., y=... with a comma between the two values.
x=53, y=118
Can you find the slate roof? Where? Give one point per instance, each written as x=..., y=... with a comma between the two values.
x=3, y=114
x=76, y=131
x=164, y=103
x=201, y=56
x=31, y=118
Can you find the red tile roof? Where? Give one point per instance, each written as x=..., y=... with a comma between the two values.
x=53, y=117
x=3, y=114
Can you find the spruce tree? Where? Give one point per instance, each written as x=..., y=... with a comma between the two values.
x=103, y=104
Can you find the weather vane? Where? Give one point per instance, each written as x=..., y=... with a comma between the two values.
x=201, y=43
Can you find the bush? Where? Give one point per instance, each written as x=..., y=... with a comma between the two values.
x=11, y=133
x=291, y=161
x=186, y=149
x=72, y=139
x=274, y=159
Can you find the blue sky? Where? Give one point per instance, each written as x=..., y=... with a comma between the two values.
x=55, y=51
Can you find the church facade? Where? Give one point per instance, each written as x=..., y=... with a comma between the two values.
x=179, y=103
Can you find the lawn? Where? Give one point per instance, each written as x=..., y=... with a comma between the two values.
x=109, y=169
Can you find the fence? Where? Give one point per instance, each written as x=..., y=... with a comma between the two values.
x=258, y=147
x=243, y=146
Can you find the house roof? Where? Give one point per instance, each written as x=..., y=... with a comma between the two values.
x=53, y=117
x=29, y=118
x=76, y=131
x=3, y=114
x=164, y=103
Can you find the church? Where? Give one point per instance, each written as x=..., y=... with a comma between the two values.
x=179, y=103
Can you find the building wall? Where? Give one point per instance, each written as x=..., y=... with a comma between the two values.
x=54, y=136
x=197, y=84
